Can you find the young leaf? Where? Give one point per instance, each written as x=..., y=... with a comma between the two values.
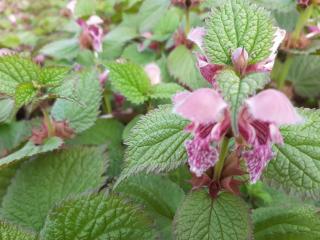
x=238, y=23
x=53, y=76
x=165, y=90
x=11, y=232
x=6, y=109
x=130, y=80
x=182, y=66
x=304, y=74
x=15, y=70
x=24, y=94
x=80, y=115
x=201, y=217
x=40, y=184
x=236, y=90
x=296, y=166
x=30, y=150
x=283, y=223
x=99, y=217
x=156, y=143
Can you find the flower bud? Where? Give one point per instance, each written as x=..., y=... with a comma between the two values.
x=240, y=60
x=186, y=3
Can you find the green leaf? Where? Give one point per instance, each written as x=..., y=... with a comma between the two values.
x=80, y=115
x=236, y=90
x=6, y=175
x=15, y=70
x=159, y=201
x=283, y=223
x=6, y=109
x=102, y=132
x=85, y=8
x=279, y=5
x=155, y=144
x=53, y=76
x=130, y=80
x=238, y=23
x=41, y=183
x=296, y=166
x=165, y=90
x=25, y=93
x=182, y=66
x=12, y=232
x=97, y=217
x=201, y=217
x=30, y=150
x=167, y=25
x=129, y=127
x=286, y=20
x=62, y=49
x=304, y=74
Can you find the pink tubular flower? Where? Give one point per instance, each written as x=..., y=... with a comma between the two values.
x=154, y=73
x=240, y=56
x=258, y=123
x=92, y=33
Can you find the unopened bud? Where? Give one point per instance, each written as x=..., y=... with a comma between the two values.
x=186, y=3
x=240, y=60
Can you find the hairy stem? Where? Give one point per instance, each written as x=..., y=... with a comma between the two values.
x=107, y=103
x=223, y=154
x=48, y=122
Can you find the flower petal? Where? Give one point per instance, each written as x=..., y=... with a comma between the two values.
x=196, y=35
x=274, y=107
x=208, y=71
x=94, y=20
x=201, y=156
x=257, y=159
x=201, y=106
x=154, y=73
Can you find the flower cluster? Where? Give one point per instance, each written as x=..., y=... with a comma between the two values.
x=258, y=120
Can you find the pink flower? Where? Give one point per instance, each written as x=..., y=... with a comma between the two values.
x=154, y=73
x=304, y=3
x=92, y=33
x=103, y=77
x=313, y=31
x=71, y=6
x=240, y=56
x=258, y=123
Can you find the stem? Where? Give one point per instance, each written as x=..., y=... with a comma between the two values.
x=48, y=122
x=223, y=153
x=107, y=102
x=187, y=21
x=304, y=16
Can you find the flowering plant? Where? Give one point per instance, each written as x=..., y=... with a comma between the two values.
x=143, y=119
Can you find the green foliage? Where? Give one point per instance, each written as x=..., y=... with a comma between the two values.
x=53, y=76
x=283, y=223
x=85, y=8
x=41, y=183
x=6, y=176
x=182, y=66
x=130, y=80
x=97, y=216
x=156, y=143
x=24, y=94
x=236, y=90
x=12, y=232
x=30, y=149
x=304, y=74
x=62, y=49
x=6, y=109
x=235, y=24
x=82, y=114
x=158, y=201
x=201, y=217
x=296, y=165
x=165, y=90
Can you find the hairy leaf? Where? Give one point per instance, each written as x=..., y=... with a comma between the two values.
x=80, y=115
x=236, y=90
x=11, y=232
x=296, y=166
x=97, y=217
x=30, y=149
x=201, y=217
x=6, y=109
x=182, y=66
x=41, y=183
x=52, y=76
x=238, y=23
x=155, y=144
x=130, y=80
x=165, y=90
x=283, y=223
x=24, y=94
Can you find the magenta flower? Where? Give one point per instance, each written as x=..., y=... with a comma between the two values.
x=313, y=31
x=92, y=33
x=304, y=3
x=258, y=123
x=240, y=56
